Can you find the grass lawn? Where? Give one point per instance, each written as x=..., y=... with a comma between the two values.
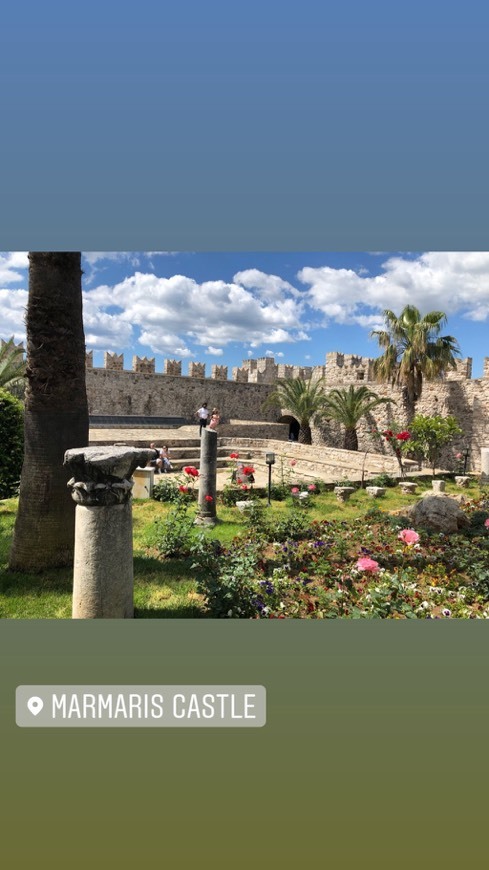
x=167, y=587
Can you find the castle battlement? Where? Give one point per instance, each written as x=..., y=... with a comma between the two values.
x=339, y=369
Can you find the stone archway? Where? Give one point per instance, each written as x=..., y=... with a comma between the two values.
x=294, y=426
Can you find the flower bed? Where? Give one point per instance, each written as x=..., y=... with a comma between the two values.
x=324, y=570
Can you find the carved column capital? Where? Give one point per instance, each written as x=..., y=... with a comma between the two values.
x=102, y=475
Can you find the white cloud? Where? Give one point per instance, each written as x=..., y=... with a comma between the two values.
x=12, y=267
x=445, y=281
x=211, y=314
x=215, y=351
x=12, y=314
x=268, y=287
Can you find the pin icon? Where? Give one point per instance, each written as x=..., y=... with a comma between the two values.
x=35, y=705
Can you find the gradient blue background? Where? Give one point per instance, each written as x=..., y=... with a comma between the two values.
x=217, y=125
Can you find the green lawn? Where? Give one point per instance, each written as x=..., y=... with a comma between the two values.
x=165, y=587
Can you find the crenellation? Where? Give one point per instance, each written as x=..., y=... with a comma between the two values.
x=89, y=359
x=347, y=368
x=196, y=370
x=266, y=370
x=285, y=371
x=462, y=370
x=219, y=373
x=114, y=362
x=143, y=364
x=485, y=374
x=172, y=367
x=240, y=374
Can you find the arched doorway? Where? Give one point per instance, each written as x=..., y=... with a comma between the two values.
x=294, y=426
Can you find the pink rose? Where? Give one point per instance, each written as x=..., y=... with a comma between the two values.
x=293, y=462
x=311, y=487
x=368, y=564
x=408, y=536
x=486, y=523
x=295, y=490
x=458, y=456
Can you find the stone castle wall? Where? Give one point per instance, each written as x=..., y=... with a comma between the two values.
x=143, y=391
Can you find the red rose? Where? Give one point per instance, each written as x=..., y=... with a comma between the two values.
x=403, y=436
x=209, y=498
x=234, y=455
x=248, y=469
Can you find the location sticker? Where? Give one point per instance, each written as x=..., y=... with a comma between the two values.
x=35, y=705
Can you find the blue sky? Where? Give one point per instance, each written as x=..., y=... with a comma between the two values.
x=226, y=307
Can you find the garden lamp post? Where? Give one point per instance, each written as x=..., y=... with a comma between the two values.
x=270, y=460
x=466, y=459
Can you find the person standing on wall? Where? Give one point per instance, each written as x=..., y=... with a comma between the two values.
x=203, y=415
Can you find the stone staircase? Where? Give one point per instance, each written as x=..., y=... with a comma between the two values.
x=316, y=462
x=188, y=453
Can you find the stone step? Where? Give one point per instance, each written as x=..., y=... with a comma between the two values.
x=178, y=464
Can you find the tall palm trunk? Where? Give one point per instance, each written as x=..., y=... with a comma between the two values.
x=351, y=439
x=305, y=434
x=56, y=411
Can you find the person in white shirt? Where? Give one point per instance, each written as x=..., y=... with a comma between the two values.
x=203, y=415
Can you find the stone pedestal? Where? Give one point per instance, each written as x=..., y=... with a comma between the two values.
x=375, y=491
x=143, y=482
x=485, y=465
x=343, y=493
x=462, y=480
x=207, y=514
x=438, y=485
x=103, y=564
x=408, y=487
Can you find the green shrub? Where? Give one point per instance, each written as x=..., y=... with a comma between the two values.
x=382, y=479
x=231, y=494
x=171, y=491
x=11, y=443
x=292, y=528
x=231, y=588
x=165, y=490
x=176, y=533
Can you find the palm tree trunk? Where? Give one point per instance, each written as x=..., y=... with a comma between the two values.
x=351, y=440
x=56, y=412
x=305, y=434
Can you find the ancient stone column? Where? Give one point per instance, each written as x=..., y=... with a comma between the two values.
x=103, y=575
x=484, y=464
x=207, y=514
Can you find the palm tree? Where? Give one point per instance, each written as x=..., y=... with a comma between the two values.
x=303, y=399
x=12, y=367
x=56, y=412
x=414, y=349
x=348, y=406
